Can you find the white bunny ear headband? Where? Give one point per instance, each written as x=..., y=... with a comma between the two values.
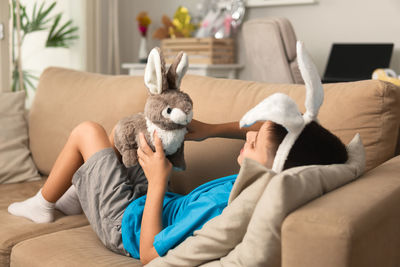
x=281, y=109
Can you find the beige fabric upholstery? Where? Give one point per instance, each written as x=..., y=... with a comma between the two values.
x=75, y=247
x=367, y=107
x=60, y=106
x=354, y=225
x=357, y=225
x=397, y=152
x=270, y=45
x=373, y=113
x=15, y=229
x=289, y=190
x=370, y=108
x=248, y=230
x=16, y=164
x=221, y=234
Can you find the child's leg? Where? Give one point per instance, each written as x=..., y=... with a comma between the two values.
x=85, y=140
x=69, y=202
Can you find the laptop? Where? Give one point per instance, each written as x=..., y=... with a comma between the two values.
x=356, y=61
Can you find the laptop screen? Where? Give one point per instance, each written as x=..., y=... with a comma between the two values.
x=352, y=62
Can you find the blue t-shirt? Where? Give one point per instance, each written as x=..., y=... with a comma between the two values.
x=181, y=215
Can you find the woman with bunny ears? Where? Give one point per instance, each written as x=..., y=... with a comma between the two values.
x=130, y=221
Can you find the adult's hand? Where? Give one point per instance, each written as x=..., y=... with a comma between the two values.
x=198, y=131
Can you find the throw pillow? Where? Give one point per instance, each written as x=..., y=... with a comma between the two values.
x=221, y=234
x=16, y=164
x=248, y=230
x=289, y=190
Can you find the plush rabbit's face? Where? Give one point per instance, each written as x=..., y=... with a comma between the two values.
x=169, y=110
x=167, y=106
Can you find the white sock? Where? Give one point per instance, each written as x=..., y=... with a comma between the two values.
x=69, y=202
x=36, y=209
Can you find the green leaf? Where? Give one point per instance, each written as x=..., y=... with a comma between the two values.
x=60, y=36
x=40, y=18
x=27, y=79
x=24, y=20
x=55, y=24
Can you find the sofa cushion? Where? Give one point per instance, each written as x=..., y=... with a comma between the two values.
x=289, y=190
x=74, y=247
x=248, y=230
x=369, y=107
x=66, y=97
x=16, y=164
x=356, y=225
x=15, y=229
x=221, y=234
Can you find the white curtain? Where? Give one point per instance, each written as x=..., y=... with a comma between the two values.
x=19, y=59
x=5, y=73
x=102, y=53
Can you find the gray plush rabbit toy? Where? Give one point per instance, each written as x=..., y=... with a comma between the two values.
x=167, y=111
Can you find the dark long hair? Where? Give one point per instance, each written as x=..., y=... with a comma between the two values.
x=315, y=146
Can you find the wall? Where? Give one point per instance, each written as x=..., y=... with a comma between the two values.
x=317, y=25
x=338, y=21
x=36, y=57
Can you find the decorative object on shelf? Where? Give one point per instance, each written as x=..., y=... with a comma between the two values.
x=387, y=75
x=258, y=3
x=59, y=35
x=219, y=21
x=180, y=26
x=222, y=19
x=143, y=24
x=237, y=13
x=167, y=30
x=200, y=50
x=182, y=21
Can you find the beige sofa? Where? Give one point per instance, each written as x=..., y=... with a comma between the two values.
x=355, y=225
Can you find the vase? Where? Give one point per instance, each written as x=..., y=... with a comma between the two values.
x=143, y=50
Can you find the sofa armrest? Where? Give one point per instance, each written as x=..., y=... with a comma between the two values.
x=355, y=225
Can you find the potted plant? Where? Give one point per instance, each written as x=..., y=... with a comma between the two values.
x=40, y=19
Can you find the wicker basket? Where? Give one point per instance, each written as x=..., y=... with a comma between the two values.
x=200, y=50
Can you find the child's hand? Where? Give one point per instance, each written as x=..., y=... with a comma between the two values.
x=198, y=131
x=156, y=166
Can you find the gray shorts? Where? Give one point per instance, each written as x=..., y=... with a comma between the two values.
x=105, y=188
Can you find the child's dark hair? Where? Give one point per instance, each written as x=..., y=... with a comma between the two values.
x=315, y=146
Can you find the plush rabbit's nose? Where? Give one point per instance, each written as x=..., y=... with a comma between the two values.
x=180, y=117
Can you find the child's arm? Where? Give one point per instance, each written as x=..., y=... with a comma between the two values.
x=198, y=130
x=157, y=169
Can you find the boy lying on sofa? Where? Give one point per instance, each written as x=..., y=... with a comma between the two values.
x=130, y=210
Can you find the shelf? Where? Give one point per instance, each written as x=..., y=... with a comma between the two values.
x=258, y=3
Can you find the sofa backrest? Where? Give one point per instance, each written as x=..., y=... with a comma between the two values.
x=65, y=98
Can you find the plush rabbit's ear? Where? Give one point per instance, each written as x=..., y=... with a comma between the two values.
x=154, y=74
x=177, y=70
